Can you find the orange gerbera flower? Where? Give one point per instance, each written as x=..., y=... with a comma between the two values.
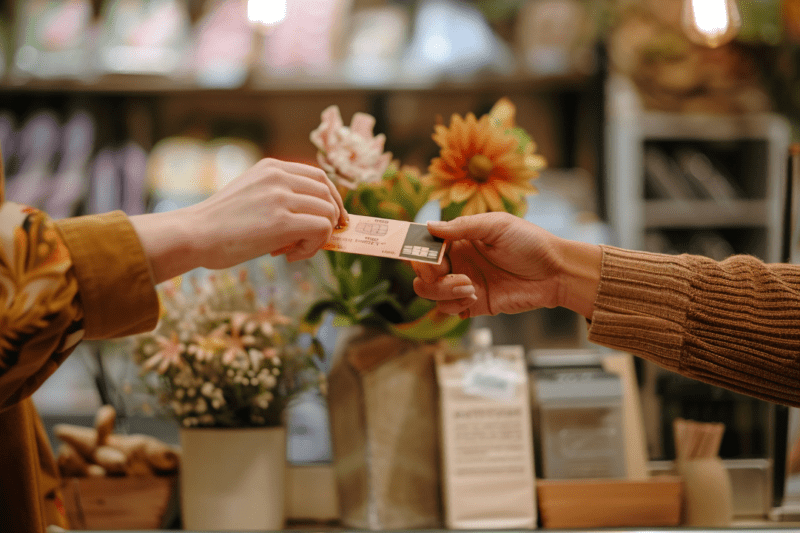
x=483, y=164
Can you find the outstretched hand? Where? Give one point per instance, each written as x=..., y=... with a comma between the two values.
x=499, y=263
x=274, y=207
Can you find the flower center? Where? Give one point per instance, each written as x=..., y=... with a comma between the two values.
x=480, y=167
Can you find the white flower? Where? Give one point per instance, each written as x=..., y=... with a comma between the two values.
x=262, y=400
x=201, y=406
x=256, y=357
x=355, y=268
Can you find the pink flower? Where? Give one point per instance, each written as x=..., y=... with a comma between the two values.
x=168, y=354
x=350, y=155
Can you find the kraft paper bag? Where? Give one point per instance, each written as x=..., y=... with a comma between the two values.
x=488, y=478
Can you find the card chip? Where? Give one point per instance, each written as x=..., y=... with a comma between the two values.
x=372, y=229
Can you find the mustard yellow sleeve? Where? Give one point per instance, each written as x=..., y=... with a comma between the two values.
x=85, y=277
x=114, y=280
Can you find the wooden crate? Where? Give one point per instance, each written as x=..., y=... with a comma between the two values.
x=595, y=503
x=109, y=503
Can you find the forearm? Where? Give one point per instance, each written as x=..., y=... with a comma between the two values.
x=733, y=323
x=169, y=241
x=579, y=276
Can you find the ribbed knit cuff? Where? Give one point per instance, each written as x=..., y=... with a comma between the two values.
x=641, y=305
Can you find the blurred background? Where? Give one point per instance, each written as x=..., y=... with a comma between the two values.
x=666, y=125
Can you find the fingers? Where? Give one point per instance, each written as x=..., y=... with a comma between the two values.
x=308, y=234
x=319, y=176
x=429, y=271
x=299, y=203
x=449, y=287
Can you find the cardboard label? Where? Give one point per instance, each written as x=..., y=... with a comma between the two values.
x=384, y=237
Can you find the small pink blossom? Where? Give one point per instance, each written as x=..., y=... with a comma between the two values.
x=168, y=354
x=350, y=155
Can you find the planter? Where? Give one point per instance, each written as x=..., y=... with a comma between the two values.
x=233, y=479
x=708, y=494
x=383, y=408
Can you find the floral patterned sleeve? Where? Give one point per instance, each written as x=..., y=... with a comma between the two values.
x=41, y=316
x=60, y=282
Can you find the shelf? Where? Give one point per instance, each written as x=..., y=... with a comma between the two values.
x=123, y=84
x=705, y=213
x=708, y=127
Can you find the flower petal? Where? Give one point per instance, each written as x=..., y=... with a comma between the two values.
x=492, y=197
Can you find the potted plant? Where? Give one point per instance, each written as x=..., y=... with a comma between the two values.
x=224, y=363
x=382, y=388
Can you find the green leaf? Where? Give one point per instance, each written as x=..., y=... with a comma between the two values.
x=433, y=325
x=523, y=138
x=314, y=315
x=453, y=210
x=373, y=295
x=340, y=321
x=418, y=307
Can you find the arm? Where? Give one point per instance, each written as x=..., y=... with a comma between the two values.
x=273, y=207
x=52, y=279
x=734, y=323
x=94, y=277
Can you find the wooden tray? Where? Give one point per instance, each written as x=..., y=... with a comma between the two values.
x=131, y=502
x=594, y=503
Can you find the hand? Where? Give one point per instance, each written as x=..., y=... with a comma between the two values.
x=274, y=206
x=499, y=263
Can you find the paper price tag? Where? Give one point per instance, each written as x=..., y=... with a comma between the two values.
x=383, y=237
x=491, y=379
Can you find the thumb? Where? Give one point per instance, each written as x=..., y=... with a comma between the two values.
x=474, y=228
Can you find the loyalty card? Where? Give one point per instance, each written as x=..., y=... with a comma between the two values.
x=382, y=237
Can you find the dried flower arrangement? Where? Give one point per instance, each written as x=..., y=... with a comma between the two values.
x=223, y=357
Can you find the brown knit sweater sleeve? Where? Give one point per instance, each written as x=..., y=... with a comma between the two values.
x=734, y=323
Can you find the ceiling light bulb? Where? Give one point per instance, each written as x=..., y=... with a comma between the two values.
x=267, y=12
x=711, y=22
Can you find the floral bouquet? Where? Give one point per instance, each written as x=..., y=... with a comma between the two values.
x=484, y=164
x=222, y=357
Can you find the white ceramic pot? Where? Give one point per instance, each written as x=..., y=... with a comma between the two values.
x=233, y=479
x=707, y=492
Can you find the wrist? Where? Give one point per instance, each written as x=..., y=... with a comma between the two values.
x=579, y=277
x=170, y=242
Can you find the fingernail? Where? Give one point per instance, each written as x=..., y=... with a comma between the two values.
x=436, y=224
x=463, y=290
